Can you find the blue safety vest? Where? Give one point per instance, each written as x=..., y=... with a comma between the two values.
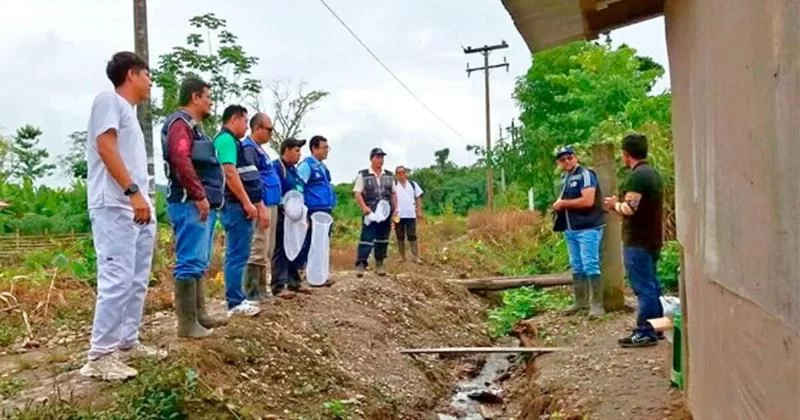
x=572, y=186
x=290, y=179
x=204, y=160
x=270, y=181
x=318, y=192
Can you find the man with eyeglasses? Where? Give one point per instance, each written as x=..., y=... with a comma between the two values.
x=580, y=215
x=263, y=245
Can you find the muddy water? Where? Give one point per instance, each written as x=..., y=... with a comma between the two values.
x=468, y=394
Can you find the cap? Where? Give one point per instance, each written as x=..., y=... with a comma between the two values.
x=376, y=152
x=291, y=142
x=564, y=151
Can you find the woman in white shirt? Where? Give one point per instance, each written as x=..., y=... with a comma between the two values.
x=409, y=204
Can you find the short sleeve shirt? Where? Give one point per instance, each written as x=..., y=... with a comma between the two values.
x=644, y=228
x=226, y=148
x=407, y=196
x=111, y=111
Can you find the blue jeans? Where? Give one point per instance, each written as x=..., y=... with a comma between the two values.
x=640, y=264
x=584, y=251
x=191, y=241
x=212, y=228
x=238, y=236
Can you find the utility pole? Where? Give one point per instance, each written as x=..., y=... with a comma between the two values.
x=485, y=50
x=143, y=109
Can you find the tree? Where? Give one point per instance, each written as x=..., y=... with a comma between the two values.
x=213, y=54
x=73, y=164
x=143, y=111
x=290, y=107
x=579, y=94
x=29, y=161
x=5, y=159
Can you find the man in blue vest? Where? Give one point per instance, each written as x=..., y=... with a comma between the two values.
x=286, y=280
x=372, y=186
x=196, y=187
x=255, y=281
x=580, y=215
x=318, y=190
x=243, y=206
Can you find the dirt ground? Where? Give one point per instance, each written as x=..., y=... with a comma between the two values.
x=340, y=346
x=597, y=379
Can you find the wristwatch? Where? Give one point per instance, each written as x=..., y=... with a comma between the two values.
x=131, y=190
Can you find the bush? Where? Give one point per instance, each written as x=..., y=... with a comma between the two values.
x=523, y=303
x=669, y=266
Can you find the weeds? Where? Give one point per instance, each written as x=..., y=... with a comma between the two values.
x=336, y=409
x=10, y=386
x=523, y=303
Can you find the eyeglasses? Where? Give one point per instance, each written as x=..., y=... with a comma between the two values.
x=566, y=158
x=270, y=129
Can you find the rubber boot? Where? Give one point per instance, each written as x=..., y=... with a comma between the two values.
x=596, y=296
x=251, y=282
x=379, y=269
x=415, y=252
x=580, y=291
x=401, y=246
x=186, y=310
x=261, y=286
x=360, y=269
x=203, y=318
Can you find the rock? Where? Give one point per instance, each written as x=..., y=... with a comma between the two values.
x=486, y=397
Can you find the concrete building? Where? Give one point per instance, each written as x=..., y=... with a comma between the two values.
x=735, y=67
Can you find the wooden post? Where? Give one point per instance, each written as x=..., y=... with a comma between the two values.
x=611, y=247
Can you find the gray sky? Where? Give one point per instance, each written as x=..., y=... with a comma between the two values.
x=54, y=54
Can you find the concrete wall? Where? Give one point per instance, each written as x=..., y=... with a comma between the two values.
x=735, y=67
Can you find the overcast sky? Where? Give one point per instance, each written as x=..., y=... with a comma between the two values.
x=54, y=54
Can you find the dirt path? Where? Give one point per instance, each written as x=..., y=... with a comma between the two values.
x=599, y=379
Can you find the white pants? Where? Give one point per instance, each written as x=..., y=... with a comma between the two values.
x=124, y=258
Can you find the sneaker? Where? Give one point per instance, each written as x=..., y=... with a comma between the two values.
x=108, y=368
x=140, y=351
x=245, y=309
x=637, y=339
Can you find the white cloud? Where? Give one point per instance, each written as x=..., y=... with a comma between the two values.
x=52, y=69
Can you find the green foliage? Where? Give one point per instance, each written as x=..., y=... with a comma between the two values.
x=73, y=164
x=336, y=409
x=28, y=161
x=669, y=266
x=36, y=210
x=579, y=94
x=10, y=386
x=523, y=303
x=212, y=52
x=449, y=186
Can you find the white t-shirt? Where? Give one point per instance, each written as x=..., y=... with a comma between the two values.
x=111, y=111
x=406, y=199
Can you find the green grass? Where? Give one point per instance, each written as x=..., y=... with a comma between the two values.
x=523, y=303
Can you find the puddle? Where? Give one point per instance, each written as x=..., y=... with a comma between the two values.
x=474, y=397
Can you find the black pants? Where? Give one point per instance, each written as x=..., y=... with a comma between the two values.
x=374, y=235
x=284, y=272
x=406, y=229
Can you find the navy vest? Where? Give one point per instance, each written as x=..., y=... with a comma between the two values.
x=579, y=219
x=318, y=192
x=290, y=179
x=204, y=160
x=376, y=188
x=269, y=177
x=248, y=172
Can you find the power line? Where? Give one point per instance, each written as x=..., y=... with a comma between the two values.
x=388, y=70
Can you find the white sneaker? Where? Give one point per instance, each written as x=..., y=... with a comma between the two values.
x=108, y=368
x=141, y=351
x=246, y=309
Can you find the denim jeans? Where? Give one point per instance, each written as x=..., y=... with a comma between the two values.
x=213, y=215
x=640, y=265
x=238, y=236
x=584, y=251
x=191, y=241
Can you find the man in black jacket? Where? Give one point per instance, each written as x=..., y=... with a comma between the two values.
x=580, y=215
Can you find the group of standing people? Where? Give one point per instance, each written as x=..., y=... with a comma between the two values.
x=260, y=202
x=580, y=214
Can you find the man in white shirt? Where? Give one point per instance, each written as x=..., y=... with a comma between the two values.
x=409, y=208
x=122, y=217
x=372, y=186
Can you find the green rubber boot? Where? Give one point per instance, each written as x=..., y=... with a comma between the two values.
x=186, y=310
x=596, y=296
x=580, y=290
x=203, y=318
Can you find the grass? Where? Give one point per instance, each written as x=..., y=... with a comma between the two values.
x=10, y=387
x=523, y=303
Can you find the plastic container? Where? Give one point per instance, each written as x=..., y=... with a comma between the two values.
x=319, y=254
x=676, y=377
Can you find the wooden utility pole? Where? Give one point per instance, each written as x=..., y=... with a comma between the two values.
x=611, y=246
x=143, y=110
x=485, y=50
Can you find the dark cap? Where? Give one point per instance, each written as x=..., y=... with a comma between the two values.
x=290, y=143
x=564, y=151
x=376, y=152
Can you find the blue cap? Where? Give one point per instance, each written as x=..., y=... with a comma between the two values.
x=564, y=151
